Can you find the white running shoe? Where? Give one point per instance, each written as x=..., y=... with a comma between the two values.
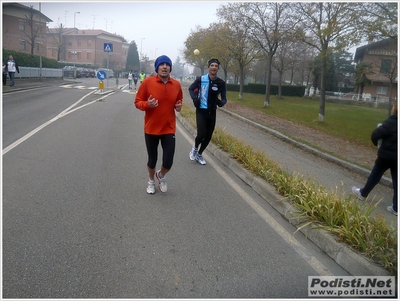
x=150, y=187
x=162, y=182
x=193, y=153
x=390, y=209
x=357, y=192
x=200, y=159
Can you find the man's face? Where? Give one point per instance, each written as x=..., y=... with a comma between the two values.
x=213, y=69
x=10, y=57
x=163, y=70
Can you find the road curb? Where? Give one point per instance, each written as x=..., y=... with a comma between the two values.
x=354, y=263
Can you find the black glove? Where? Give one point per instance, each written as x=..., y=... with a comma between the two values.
x=221, y=103
x=196, y=102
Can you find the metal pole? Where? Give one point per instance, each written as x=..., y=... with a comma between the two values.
x=74, y=53
x=40, y=46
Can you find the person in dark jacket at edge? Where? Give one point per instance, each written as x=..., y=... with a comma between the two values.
x=204, y=92
x=387, y=158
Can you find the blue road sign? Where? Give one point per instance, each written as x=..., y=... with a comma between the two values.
x=101, y=74
x=108, y=47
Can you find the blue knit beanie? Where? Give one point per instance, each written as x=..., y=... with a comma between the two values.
x=162, y=59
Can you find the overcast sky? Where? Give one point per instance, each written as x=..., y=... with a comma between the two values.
x=158, y=27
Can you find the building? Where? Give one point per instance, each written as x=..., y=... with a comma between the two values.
x=24, y=29
x=89, y=47
x=24, y=26
x=382, y=56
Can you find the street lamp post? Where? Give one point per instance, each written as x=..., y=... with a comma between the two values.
x=141, y=54
x=74, y=52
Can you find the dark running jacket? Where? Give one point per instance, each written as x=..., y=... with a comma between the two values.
x=205, y=91
x=388, y=133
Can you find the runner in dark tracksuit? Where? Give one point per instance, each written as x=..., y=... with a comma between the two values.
x=205, y=91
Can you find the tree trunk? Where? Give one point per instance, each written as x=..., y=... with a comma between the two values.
x=280, y=85
x=321, y=115
x=241, y=81
x=268, y=85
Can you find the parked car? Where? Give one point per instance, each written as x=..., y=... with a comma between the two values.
x=109, y=72
x=92, y=73
x=83, y=72
x=68, y=71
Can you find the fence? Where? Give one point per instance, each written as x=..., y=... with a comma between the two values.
x=34, y=72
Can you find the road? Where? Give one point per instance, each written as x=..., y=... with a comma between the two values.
x=77, y=222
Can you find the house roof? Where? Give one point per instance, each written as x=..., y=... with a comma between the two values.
x=25, y=8
x=85, y=32
x=360, y=51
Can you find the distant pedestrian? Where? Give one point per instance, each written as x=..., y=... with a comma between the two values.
x=205, y=91
x=135, y=78
x=4, y=74
x=159, y=97
x=142, y=76
x=11, y=67
x=387, y=159
x=130, y=79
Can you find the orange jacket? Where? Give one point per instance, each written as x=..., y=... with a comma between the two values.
x=161, y=119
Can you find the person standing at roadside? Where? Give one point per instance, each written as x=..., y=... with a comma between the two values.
x=387, y=159
x=159, y=97
x=4, y=74
x=204, y=92
x=11, y=67
x=130, y=79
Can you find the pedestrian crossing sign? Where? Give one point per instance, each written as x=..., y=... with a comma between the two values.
x=108, y=47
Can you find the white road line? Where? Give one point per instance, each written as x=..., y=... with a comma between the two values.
x=63, y=113
x=318, y=266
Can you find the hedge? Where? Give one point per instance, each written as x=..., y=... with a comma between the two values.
x=261, y=88
x=27, y=60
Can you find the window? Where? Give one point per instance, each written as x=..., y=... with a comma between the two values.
x=89, y=42
x=386, y=66
x=21, y=26
x=381, y=90
x=79, y=42
x=89, y=56
x=22, y=45
x=79, y=55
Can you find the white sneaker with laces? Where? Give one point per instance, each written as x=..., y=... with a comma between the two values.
x=150, y=187
x=200, y=159
x=356, y=192
x=193, y=153
x=162, y=182
x=390, y=209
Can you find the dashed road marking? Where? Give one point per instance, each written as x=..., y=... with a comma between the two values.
x=78, y=87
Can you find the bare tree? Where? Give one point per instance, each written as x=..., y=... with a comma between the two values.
x=268, y=23
x=378, y=19
x=239, y=43
x=328, y=25
x=282, y=61
x=34, y=25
